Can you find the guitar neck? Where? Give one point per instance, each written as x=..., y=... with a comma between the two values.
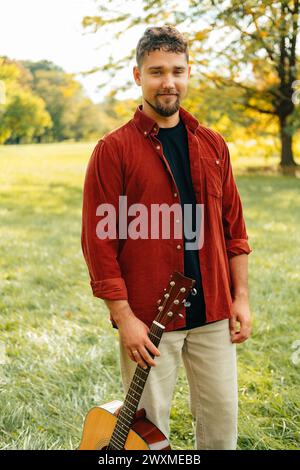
x=127, y=414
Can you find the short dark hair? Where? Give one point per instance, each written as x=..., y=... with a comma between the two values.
x=164, y=37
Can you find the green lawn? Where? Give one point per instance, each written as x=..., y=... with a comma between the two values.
x=58, y=352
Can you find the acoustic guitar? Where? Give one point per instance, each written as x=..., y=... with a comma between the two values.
x=121, y=426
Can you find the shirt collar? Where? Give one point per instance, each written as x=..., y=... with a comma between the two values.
x=147, y=125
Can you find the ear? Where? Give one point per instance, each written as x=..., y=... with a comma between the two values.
x=136, y=75
x=189, y=71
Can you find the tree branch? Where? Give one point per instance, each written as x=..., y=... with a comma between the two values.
x=269, y=52
x=260, y=110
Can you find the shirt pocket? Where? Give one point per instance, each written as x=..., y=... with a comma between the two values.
x=211, y=169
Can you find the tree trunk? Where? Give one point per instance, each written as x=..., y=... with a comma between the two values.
x=287, y=158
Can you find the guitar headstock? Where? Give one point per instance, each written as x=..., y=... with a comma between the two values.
x=174, y=295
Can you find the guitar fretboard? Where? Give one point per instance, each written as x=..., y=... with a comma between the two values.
x=130, y=406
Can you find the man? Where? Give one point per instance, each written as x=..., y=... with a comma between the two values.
x=164, y=156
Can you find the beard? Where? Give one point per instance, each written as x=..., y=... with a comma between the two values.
x=167, y=108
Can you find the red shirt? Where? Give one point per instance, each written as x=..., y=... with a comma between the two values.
x=129, y=161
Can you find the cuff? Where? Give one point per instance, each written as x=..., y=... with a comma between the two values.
x=238, y=246
x=111, y=289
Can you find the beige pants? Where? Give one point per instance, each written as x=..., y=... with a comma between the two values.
x=209, y=359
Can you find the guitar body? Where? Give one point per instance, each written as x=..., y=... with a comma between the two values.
x=101, y=421
x=121, y=426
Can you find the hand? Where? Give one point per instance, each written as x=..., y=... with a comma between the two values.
x=134, y=335
x=240, y=312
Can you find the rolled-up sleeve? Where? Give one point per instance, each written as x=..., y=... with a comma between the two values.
x=103, y=185
x=236, y=238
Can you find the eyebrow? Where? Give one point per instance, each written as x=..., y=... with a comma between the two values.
x=159, y=67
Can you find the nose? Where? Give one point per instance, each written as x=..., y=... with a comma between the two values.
x=168, y=82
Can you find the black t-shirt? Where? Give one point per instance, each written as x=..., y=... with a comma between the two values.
x=175, y=146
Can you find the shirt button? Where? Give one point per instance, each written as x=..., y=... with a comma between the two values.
x=177, y=221
x=145, y=132
x=158, y=147
x=178, y=247
x=217, y=162
x=175, y=194
x=155, y=128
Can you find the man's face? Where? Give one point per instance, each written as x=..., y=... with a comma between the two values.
x=164, y=80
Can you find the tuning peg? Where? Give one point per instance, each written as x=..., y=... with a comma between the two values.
x=194, y=291
x=180, y=314
x=159, y=301
x=187, y=304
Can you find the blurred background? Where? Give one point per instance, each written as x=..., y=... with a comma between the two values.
x=65, y=80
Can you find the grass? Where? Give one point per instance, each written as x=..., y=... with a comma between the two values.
x=58, y=352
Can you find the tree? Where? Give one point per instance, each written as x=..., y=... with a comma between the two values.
x=25, y=118
x=62, y=95
x=22, y=115
x=44, y=103
x=88, y=121
x=249, y=46
x=267, y=32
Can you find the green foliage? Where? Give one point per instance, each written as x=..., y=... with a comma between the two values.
x=25, y=117
x=22, y=115
x=45, y=104
x=63, y=96
x=245, y=51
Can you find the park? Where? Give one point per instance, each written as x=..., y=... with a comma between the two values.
x=58, y=351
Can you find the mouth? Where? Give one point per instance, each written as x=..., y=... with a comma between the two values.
x=167, y=94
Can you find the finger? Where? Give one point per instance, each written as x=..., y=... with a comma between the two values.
x=146, y=356
x=240, y=337
x=232, y=324
x=137, y=358
x=131, y=356
x=245, y=330
x=151, y=348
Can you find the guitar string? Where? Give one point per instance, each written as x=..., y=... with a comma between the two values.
x=143, y=377
x=139, y=370
x=137, y=375
x=156, y=329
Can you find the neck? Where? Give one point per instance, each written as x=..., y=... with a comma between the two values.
x=127, y=414
x=162, y=121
